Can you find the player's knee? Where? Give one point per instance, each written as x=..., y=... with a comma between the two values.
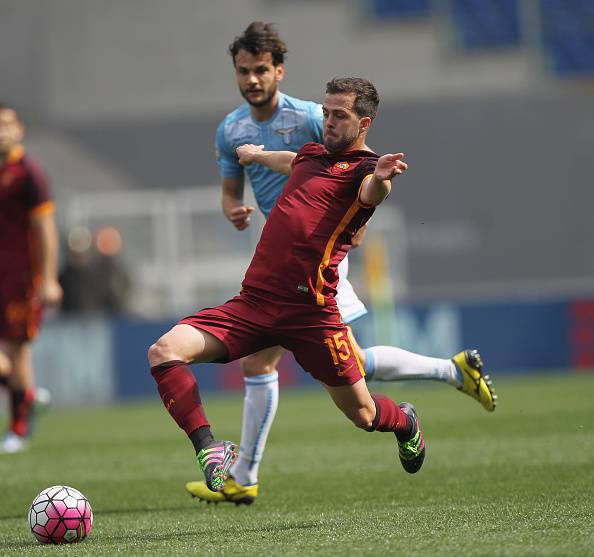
x=160, y=352
x=256, y=365
x=5, y=365
x=154, y=354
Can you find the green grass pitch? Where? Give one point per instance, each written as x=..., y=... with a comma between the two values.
x=518, y=482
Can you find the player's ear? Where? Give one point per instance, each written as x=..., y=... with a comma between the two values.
x=364, y=123
x=280, y=72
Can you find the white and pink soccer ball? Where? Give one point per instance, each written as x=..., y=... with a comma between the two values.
x=60, y=514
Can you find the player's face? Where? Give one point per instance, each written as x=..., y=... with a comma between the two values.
x=257, y=77
x=11, y=130
x=342, y=125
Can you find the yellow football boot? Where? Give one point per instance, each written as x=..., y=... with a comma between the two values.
x=232, y=492
x=476, y=385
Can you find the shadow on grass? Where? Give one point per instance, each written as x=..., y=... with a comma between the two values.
x=143, y=537
x=102, y=512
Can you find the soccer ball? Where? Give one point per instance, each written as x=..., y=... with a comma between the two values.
x=60, y=514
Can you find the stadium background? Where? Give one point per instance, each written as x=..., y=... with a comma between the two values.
x=486, y=241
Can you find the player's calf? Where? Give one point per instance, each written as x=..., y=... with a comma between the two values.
x=363, y=417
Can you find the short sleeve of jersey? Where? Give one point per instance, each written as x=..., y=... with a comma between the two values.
x=364, y=168
x=316, y=121
x=226, y=156
x=36, y=191
x=310, y=148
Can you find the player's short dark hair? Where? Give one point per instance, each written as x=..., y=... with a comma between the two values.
x=366, y=96
x=259, y=38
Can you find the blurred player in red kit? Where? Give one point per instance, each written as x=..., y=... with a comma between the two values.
x=288, y=293
x=28, y=272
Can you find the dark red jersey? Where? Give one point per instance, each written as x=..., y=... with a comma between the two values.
x=310, y=229
x=23, y=193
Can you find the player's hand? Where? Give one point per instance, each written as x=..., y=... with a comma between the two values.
x=50, y=293
x=359, y=236
x=389, y=166
x=240, y=216
x=247, y=153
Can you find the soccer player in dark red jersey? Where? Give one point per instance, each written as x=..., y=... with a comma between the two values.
x=283, y=123
x=288, y=294
x=28, y=272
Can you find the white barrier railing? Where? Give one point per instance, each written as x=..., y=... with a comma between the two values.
x=181, y=253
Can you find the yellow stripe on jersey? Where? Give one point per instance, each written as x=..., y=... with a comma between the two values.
x=364, y=205
x=354, y=349
x=45, y=208
x=357, y=204
x=16, y=154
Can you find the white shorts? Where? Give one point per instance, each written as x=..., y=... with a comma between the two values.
x=348, y=303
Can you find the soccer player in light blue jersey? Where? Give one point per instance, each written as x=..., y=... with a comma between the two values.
x=279, y=122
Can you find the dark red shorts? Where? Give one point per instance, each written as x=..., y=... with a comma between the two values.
x=20, y=315
x=318, y=338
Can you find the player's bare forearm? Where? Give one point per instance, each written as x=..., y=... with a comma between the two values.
x=230, y=202
x=234, y=209
x=44, y=228
x=359, y=236
x=46, y=235
x=277, y=161
x=374, y=191
x=377, y=187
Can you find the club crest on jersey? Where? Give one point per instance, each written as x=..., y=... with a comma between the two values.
x=285, y=133
x=340, y=167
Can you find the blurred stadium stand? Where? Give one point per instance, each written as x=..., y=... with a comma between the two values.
x=490, y=99
x=396, y=10
x=567, y=31
x=564, y=29
x=486, y=24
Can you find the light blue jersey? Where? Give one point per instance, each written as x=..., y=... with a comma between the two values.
x=294, y=123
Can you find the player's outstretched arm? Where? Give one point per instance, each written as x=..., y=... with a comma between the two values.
x=377, y=187
x=278, y=161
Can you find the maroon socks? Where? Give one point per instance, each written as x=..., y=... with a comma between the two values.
x=389, y=417
x=21, y=406
x=179, y=392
